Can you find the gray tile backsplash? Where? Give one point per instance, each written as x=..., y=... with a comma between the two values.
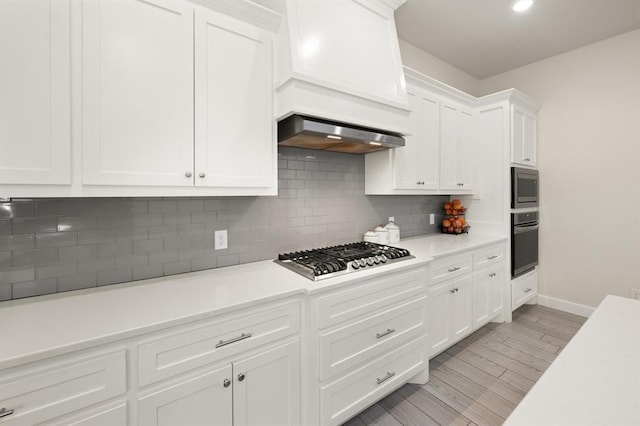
x=55, y=245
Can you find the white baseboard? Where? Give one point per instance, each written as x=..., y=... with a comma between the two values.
x=565, y=305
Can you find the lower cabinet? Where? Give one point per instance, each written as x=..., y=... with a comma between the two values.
x=524, y=289
x=263, y=388
x=488, y=299
x=449, y=313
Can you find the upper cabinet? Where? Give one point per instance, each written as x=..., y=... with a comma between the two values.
x=35, y=98
x=437, y=156
x=137, y=92
x=173, y=98
x=524, y=138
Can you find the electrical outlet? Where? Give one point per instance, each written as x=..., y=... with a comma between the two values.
x=635, y=293
x=220, y=241
x=392, y=219
x=432, y=218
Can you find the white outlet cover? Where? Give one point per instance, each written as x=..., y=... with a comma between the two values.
x=432, y=218
x=220, y=241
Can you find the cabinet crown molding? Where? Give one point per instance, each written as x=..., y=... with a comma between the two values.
x=510, y=95
x=246, y=11
x=417, y=78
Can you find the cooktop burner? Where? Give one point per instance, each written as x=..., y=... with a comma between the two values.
x=329, y=262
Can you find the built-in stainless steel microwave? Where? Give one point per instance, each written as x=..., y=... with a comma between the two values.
x=524, y=188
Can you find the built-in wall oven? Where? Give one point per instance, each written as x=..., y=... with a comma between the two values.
x=524, y=188
x=524, y=242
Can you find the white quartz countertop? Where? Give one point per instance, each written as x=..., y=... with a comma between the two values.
x=596, y=378
x=40, y=327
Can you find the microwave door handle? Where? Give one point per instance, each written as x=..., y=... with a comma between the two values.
x=520, y=229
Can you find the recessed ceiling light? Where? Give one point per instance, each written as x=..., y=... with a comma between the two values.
x=521, y=5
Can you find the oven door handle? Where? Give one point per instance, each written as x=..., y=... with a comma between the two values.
x=520, y=229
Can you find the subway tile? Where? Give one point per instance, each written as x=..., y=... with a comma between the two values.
x=34, y=225
x=78, y=253
x=16, y=275
x=77, y=223
x=115, y=276
x=179, y=242
x=56, y=270
x=147, y=219
x=6, y=259
x=163, y=231
x=228, y=260
x=96, y=265
x=163, y=257
x=204, y=217
x=5, y=226
x=190, y=206
x=5, y=292
x=17, y=209
x=28, y=257
x=190, y=229
x=77, y=282
x=56, y=239
x=148, y=246
x=176, y=218
x=173, y=268
x=209, y=261
x=149, y=271
x=131, y=261
x=216, y=204
x=62, y=207
x=295, y=165
x=189, y=254
x=113, y=249
x=96, y=236
x=115, y=222
x=34, y=288
x=163, y=206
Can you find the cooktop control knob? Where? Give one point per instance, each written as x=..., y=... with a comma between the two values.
x=383, y=258
x=355, y=264
x=370, y=261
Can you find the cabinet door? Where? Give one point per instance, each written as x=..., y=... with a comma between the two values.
x=35, y=124
x=439, y=314
x=104, y=416
x=235, y=137
x=137, y=92
x=496, y=291
x=456, y=138
x=523, y=136
x=481, y=289
x=266, y=387
x=200, y=400
x=405, y=159
x=461, y=309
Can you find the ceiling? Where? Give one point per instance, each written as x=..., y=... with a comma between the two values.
x=485, y=37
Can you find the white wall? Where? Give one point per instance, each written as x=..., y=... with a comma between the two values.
x=589, y=162
x=419, y=60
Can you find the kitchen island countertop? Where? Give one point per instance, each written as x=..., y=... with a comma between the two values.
x=596, y=378
x=36, y=328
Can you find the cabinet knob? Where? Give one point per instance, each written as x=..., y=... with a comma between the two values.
x=527, y=290
x=226, y=383
x=4, y=412
x=188, y=174
x=202, y=175
x=453, y=290
x=240, y=377
x=527, y=159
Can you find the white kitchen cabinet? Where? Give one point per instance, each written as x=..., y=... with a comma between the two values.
x=524, y=289
x=524, y=135
x=35, y=93
x=449, y=307
x=235, y=131
x=456, y=142
x=109, y=415
x=263, y=388
x=437, y=156
x=206, y=398
x=488, y=286
x=137, y=92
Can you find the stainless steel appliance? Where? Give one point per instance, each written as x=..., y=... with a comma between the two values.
x=524, y=188
x=334, y=261
x=524, y=242
x=314, y=133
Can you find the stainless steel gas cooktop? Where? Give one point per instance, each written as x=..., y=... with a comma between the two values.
x=329, y=262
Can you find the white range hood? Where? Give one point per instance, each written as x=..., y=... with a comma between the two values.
x=340, y=60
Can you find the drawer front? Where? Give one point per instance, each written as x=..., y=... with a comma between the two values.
x=375, y=296
x=450, y=267
x=195, y=346
x=523, y=289
x=488, y=256
x=39, y=394
x=341, y=400
x=359, y=342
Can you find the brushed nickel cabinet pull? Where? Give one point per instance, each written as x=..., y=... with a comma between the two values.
x=385, y=378
x=4, y=412
x=492, y=257
x=386, y=333
x=455, y=268
x=222, y=343
x=527, y=290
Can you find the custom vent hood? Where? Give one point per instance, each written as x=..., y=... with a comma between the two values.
x=314, y=133
x=339, y=60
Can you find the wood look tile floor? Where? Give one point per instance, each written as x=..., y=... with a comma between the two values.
x=481, y=379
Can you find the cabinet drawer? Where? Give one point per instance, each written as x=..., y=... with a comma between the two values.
x=488, y=256
x=353, y=345
x=194, y=346
x=342, y=399
x=376, y=295
x=450, y=267
x=49, y=390
x=523, y=289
